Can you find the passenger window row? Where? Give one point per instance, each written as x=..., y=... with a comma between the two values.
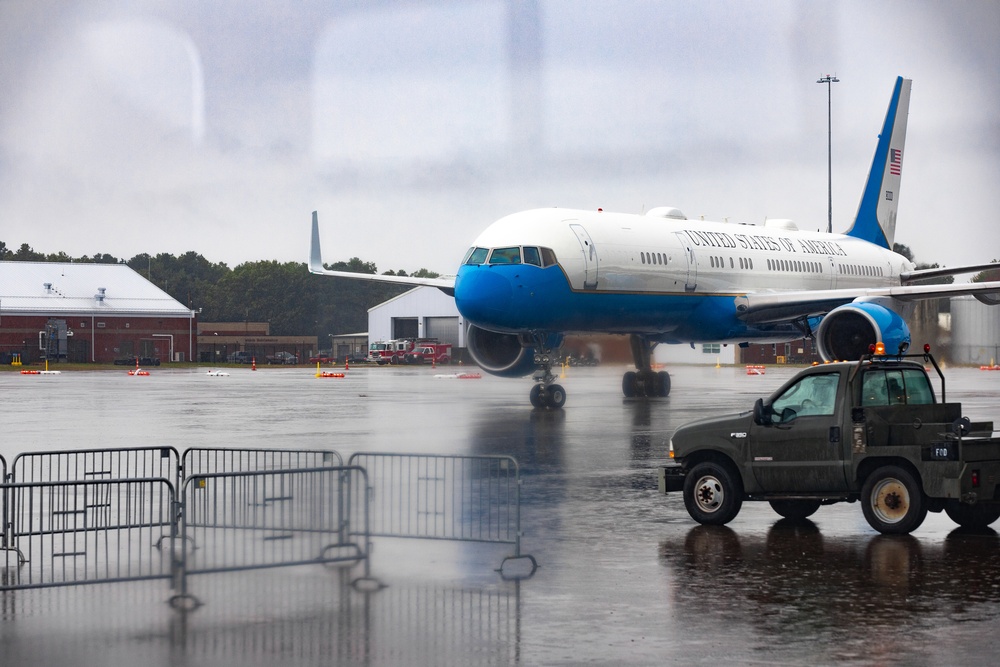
x=720, y=262
x=796, y=265
x=860, y=270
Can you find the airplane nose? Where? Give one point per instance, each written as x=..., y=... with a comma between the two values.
x=483, y=295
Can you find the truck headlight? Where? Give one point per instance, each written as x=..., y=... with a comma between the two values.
x=670, y=448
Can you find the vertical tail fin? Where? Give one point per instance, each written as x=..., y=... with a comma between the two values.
x=315, y=255
x=876, y=218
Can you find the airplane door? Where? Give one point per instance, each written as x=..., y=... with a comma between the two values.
x=589, y=256
x=692, y=263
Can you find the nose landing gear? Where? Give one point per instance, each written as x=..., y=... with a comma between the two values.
x=545, y=394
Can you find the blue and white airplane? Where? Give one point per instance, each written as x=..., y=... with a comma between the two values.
x=532, y=277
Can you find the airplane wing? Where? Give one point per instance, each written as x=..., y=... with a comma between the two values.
x=765, y=307
x=445, y=284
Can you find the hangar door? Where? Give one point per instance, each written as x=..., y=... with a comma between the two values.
x=445, y=329
x=404, y=327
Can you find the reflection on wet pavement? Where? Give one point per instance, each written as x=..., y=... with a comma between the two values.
x=625, y=576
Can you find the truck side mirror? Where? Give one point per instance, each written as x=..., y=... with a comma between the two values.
x=759, y=414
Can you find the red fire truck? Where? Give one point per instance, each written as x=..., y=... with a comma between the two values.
x=429, y=350
x=389, y=351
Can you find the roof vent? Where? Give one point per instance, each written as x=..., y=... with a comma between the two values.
x=48, y=287
x=100, y=294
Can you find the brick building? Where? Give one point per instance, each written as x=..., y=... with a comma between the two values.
x=89, y=313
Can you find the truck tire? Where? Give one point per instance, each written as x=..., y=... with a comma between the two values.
x=972, y=516
x=893, y=501
x=795, y=509
x=712, y=494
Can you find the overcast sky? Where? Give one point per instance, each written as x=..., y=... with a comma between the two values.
x=219, y=125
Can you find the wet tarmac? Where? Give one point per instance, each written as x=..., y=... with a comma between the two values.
x=625, y=576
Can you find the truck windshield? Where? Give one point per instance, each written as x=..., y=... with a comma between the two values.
x=906, y=386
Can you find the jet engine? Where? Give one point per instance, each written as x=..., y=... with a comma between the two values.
x=500, y=353
x=847, y=332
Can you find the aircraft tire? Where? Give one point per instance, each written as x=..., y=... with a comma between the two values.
x=535, y=396
x=555, y=396
x=630, y=384
x=663, y=383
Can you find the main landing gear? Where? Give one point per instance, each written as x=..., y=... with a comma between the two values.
x=545, y=393
x=644, y=381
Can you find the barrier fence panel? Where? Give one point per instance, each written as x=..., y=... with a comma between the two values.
x=471, y=498
x=3, y=505
x=257, y=519
x=95, y=464
x=464, y=498
x=87, y=531
x=207, y=460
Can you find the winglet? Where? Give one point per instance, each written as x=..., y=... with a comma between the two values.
x=876, y=218
x=315, y=255
x=446, y=284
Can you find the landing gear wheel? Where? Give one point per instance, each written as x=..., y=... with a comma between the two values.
x=795, y=510
x=630, y=382
x=537, y=400
x=663, y=383
x=555, y=396
x=893, y=501
x=712, y=494
x=972, y=516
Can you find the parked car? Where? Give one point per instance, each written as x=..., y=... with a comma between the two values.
x=282, y=358
x=242, y=357
x=322, y=358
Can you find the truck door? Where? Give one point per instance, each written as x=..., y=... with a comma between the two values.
x=802, y=449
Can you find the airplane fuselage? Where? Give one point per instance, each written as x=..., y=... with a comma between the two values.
x=671, y=279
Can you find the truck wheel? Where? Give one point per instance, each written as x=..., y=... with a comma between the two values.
x=972, y=516
x=712, y=494
x=795, y=509
x=893, y=502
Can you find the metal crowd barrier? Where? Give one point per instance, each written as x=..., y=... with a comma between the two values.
x=206, y=460
x=85, y=532
x=93, y=464
x=3, y=505
x=446, y=497
x=236, y=521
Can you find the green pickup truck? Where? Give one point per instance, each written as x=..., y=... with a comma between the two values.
x=870, y=430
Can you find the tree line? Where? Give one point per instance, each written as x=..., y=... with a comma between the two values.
x=294, y=301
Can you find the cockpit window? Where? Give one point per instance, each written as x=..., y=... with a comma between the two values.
x=476, y=256
x=531, y=256
x=505, y=256
x=548, y=257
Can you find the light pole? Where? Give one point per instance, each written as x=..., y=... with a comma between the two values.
x=829, y=81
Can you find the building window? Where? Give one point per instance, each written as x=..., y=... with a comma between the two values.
x=711, y=348
x=100, y=325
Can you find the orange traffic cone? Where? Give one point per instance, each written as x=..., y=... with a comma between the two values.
x=346, y=364
x=253, y=363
